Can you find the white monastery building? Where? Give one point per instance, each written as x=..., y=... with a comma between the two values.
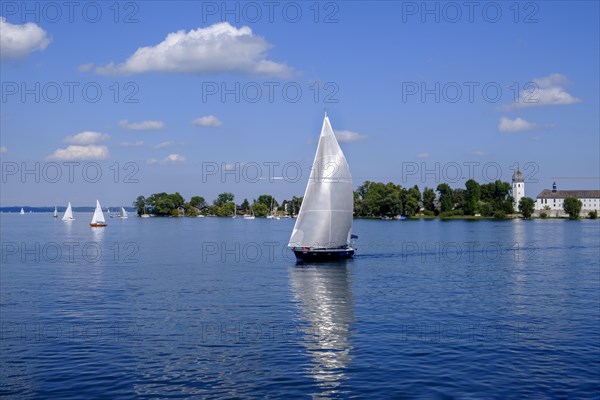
x=551, y=201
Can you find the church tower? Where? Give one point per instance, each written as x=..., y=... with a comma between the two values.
x=518, y=188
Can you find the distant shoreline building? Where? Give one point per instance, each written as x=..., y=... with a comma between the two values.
x=551, y=201
x=518, y=187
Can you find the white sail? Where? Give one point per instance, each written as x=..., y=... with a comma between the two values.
x=325, y=217
x=123, y=213
x=55, y=212
x=68, y=213
x=98, y=217
x=22, y=211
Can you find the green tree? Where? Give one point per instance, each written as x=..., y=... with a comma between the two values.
x=593, y=214
x=429, y=199
x=198, y=202
x=459, y=198
x=572, y=206
x=259, y=209
x=411, y=206
x=223, y=198
x=224, y=210
x=446, y=201
x=245, y=206
x=268, y=201
x=526, y=207
x=164, y=203
x=140, y=205
x=294, y=205
x=472, y=197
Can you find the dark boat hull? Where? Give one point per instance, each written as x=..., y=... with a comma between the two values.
x=304, y=254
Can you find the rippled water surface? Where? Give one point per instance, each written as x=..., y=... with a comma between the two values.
x=217, y=308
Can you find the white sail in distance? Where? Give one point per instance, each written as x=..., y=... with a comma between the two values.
x=68, y=213
x=325, y=217
x=98, y=217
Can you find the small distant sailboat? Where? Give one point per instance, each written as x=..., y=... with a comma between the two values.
x=323, y=229
x=98, y=220
x=123, y=213
x=145, y=214
x=55, y=215
x=68, y=214
x=234, y=215
x=272, y=213
x=22, y=211
x=251, y=215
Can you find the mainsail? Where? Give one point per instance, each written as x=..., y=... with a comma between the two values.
x=68, y=213
x=122, y=213
x=98, y=217
x=325, y=217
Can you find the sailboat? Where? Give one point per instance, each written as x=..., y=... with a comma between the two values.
x=22, y=211
x=123, y=213
x=68, y=214
x=323, y=228
x=272, y=213
x=98, y=218
x=251, y=215
x=55, y=215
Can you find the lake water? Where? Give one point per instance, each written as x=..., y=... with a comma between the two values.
x=218, y=308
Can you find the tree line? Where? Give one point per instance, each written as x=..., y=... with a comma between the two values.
x=377, y=199
x=165, y=204
x=371, y=200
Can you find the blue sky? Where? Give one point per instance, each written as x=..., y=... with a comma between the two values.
x=369, y=62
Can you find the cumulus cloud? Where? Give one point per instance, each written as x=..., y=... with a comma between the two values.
x=142, y=126
x=87, y=137
x=173, y=158
x=214, y=49
x=348, y=136
x=515, y=125
x=423, y=155
x=139, y=143
x=208, y=120
x=18, y=41
x=73, y=153
x=545, y=91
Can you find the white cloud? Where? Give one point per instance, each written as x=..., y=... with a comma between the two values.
x=348, y=136
x=71, y=153
x=87, y=137
x=479, y=153
x=85, y=67
x=169, y=143
x=139, y=143
x=545, y=91
x=141, y=126
x=18, y=41
x=214, y=49
x=515, y=125
x=170, y=159
x=423, y=155
x=3, y=149
x=173, y=158
x=208, y=120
